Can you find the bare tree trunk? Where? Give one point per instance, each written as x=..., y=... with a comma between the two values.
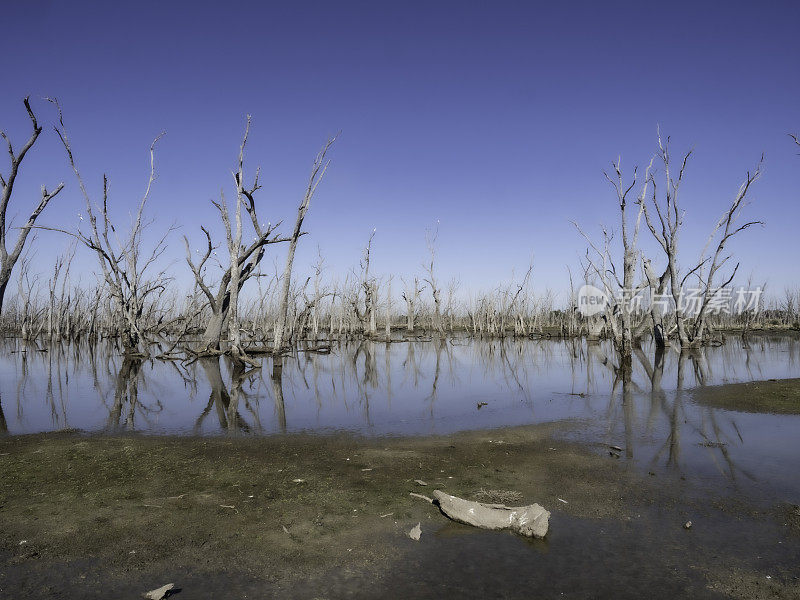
x=657, y=287
x=411, y=297
x=234, y=250
x=372, y=294
x=213, y=333
x=388, y=325
x=317, y=173
x=3, y=285
x=283, y=308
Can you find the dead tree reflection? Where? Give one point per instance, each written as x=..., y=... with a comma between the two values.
x=411, y=363
x=58, y=414
x=3, y=423
x=356, y=384
x=126, y=395
x=226, y=403
x=276, y=380
x=370, y=380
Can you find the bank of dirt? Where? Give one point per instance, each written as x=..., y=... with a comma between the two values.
x=327, y=516
x=775, y=396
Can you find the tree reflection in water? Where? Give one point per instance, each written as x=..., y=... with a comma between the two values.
x=405, y=386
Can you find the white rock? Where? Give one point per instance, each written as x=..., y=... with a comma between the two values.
x=530, y=521
x=160, y=593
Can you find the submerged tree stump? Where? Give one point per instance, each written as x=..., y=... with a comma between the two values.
x=530, y=521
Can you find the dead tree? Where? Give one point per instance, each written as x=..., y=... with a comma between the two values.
x=725, y=229
x=125, y=266
x=411, y=297
x=621, y=293
x=666, y=229
x=664, y=218
x=9, y=258
x=317, y=173
x=367, y=285
x=450, y=304
x=27, y=291
x=126, y=395
x=436, y=292
x=243, y=260
x=657, y=287
x=388, y=323
x=59, y=310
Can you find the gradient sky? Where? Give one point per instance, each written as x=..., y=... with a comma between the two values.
x=495, y=120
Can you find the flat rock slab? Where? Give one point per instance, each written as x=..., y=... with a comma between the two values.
x=531, y=521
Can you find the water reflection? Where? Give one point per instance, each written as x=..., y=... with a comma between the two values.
x=122, y=414
x=415, y=386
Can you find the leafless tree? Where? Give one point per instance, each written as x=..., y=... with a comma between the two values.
x=58, y=310
x=242, y=264
x=366, y=295
x=430, y=269
x=27, y=291
x=601, y=259
x=664, y=218
x=318, y=170
x=790, y=306
x=451, y=302
x=314, y=303
x=9, y=258
x=124, y=264
x=727, y=227
x=411, y=297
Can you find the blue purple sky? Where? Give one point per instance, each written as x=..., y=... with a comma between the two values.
x=494, y=119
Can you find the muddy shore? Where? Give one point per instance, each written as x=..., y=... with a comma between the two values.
x=775, y=396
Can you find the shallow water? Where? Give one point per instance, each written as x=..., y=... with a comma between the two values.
x=430, y=387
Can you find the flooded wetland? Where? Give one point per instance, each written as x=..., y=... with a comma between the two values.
x=399, y=301
x=296, y=482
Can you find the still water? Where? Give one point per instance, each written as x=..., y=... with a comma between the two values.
x=422, y=388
